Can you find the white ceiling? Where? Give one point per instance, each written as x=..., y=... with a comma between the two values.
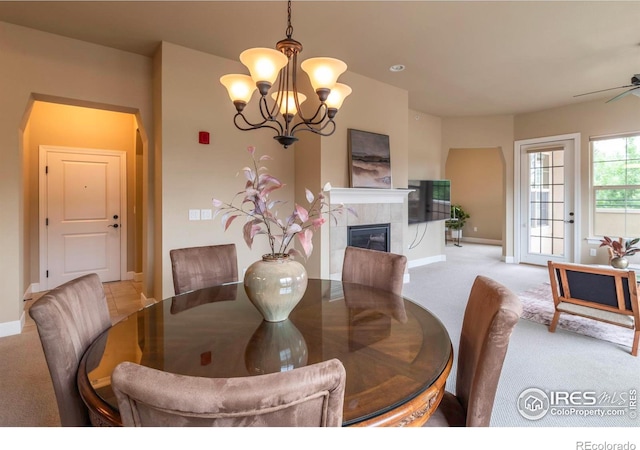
x=462, y=58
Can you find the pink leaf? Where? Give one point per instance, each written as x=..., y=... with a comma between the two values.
x=317, y=223
x=228, y=221
x=302, y=213
x=309, y=195
x=251, y=149
x=217, y=203
x=293, y=229
x=265, y=157
x=249, y=231
x=266, y=179
x=295, y=253
x=248, y=174
x=305, y=239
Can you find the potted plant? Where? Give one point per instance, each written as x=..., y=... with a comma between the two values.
x=276, y=283
x=619, y=249
x=458, y=218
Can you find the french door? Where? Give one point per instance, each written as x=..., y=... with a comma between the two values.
x=547, y=216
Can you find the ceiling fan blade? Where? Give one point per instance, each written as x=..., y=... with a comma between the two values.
x=625, y=93
x=604, y=90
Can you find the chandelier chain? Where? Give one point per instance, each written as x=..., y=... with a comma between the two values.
x=289, y=31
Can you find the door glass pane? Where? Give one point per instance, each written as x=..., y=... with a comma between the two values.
x=546, y=202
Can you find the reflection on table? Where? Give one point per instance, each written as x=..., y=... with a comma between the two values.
x=397, y=355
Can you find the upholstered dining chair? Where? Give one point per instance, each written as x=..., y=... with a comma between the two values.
x=200, y=267
x=309, y=396
x=491, y=314
x=382, y=270
x=69, y=318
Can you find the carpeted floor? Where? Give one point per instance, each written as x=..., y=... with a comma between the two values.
x=563, y=361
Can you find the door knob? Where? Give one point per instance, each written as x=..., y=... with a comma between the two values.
x=115, y=225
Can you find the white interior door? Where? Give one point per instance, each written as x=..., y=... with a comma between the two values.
x=547, y=201
x=83, y=223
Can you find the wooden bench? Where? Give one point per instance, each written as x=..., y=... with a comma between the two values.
x=600, y=293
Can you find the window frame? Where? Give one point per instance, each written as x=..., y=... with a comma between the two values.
x=593, y=189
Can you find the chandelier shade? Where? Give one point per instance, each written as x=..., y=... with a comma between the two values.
x=276, y=69
x=323, y=72
x=264, y=64
x=337, y=95
x=239, y=87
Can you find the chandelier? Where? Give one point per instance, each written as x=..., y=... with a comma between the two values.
x=284, y=115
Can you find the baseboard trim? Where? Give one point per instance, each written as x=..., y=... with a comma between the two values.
x=11, y=328
x=338, y=277
x=424, y=261
x=147, y=301
x=473, y=240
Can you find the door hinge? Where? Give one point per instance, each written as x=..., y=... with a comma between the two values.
x=46, y=169
x=46, y=222
x=47, y=274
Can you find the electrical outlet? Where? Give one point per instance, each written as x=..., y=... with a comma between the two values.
x=194, y=214
x=592, y=252
x=206, y=214
x=475, y=229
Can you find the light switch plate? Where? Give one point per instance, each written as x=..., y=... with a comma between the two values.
x=194, y=214
x=206, y=214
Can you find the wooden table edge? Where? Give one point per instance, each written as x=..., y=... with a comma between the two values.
x=416, y=411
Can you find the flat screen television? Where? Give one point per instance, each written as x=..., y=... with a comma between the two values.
x=430, y=200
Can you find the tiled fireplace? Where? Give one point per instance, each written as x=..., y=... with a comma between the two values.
x=380, y=207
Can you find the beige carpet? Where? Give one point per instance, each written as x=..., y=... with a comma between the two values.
x=538, y=307
x=26, y=396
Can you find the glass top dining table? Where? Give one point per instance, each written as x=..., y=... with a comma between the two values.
x=397, y=355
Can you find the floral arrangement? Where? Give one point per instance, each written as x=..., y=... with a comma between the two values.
x=620, y=247
x=262, y=215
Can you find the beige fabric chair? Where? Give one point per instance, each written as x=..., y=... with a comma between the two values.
x=200, y=267
x=311, y=396
x=69, y=318
x=491, y=314
x=374, y=268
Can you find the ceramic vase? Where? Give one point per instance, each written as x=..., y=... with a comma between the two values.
x=275, y=347
x=620, y=262
x=275, y=285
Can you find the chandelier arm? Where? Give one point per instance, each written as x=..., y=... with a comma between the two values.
x=316, y=119
x=267, y=115
x=318, y=131
x=255, y=126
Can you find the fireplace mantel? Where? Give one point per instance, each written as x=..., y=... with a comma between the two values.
x=368, y=195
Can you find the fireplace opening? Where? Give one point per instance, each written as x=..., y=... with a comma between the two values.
x=374, y=237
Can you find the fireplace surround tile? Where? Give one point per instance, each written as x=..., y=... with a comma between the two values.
x=372, y=206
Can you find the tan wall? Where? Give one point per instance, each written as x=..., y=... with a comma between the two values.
x=487, y=132
x=594, y=118
x=477, y=186
x=376, y=107
x=425, y=163
x=72, y=126
x=193, y=174
x=40, y=63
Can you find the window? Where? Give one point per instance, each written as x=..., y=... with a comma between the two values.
x=615, y=181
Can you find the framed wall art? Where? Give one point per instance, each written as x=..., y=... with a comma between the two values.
x=370, y=158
